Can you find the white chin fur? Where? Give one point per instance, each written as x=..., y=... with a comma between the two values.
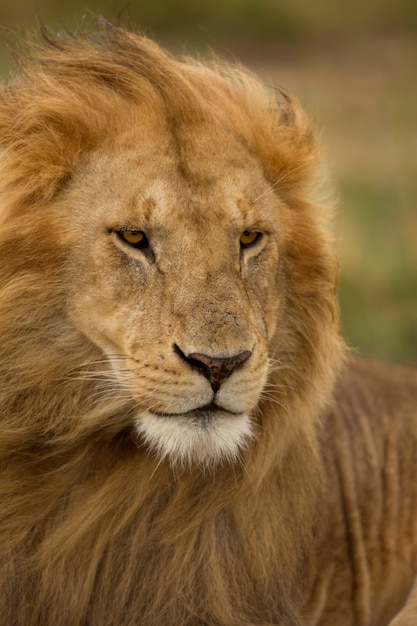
x=186, y=441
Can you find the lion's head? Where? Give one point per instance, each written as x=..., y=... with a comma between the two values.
x=163, y=269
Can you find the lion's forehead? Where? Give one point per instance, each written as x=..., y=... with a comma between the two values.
x=228, y=198
x=133, y=186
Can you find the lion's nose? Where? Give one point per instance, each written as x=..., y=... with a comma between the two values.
x=215, y=369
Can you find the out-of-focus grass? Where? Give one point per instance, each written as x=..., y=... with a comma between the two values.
x=225, y=19
x=378, y=282
x=355, y=73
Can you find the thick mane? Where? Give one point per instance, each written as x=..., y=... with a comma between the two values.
x=82, y=88
x=82, y=502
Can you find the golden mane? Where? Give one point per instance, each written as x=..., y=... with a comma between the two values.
x=94, y=529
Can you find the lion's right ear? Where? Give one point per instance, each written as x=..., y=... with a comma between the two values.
x=31, y=163
x=5, y=117
x=43, y=129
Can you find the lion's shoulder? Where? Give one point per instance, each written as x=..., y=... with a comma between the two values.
x=370, y=429
x=373, y=388
x=368, y=517
x=369, y=436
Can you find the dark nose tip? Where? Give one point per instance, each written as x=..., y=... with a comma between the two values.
x=215, y=369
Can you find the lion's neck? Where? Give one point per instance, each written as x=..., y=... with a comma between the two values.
x=135, y=539
x=164, y=542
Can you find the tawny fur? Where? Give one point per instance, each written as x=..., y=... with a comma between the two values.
x=310, y=516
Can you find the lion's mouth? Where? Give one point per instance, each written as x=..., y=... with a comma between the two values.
x=202, y=414
x=205, y=436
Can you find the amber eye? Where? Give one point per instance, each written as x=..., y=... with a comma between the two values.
x=249, y=238
x=135, y=238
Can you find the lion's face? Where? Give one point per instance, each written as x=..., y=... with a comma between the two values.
x=160, y=242
x=173, y=267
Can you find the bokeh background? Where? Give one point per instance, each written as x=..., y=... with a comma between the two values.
x=353, y=65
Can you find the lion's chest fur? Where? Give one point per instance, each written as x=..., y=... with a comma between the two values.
x=105, y=537
x=117, y=552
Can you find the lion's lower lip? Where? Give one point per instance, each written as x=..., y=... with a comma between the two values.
x=202, y=413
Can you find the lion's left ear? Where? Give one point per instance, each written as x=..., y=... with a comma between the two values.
x=287, y=107
x=287, y=144
x=296, y=152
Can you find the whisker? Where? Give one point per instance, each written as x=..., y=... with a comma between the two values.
x=278, y=183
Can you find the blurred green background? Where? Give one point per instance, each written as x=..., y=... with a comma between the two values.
x=353, y=65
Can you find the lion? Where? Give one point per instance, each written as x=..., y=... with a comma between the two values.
x=185, y=439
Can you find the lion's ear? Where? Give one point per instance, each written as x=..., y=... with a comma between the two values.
x=286, y=107
x=292, y=116
x=287, y=145
x=41, y=135
x=32, y=162
x=5, y=118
